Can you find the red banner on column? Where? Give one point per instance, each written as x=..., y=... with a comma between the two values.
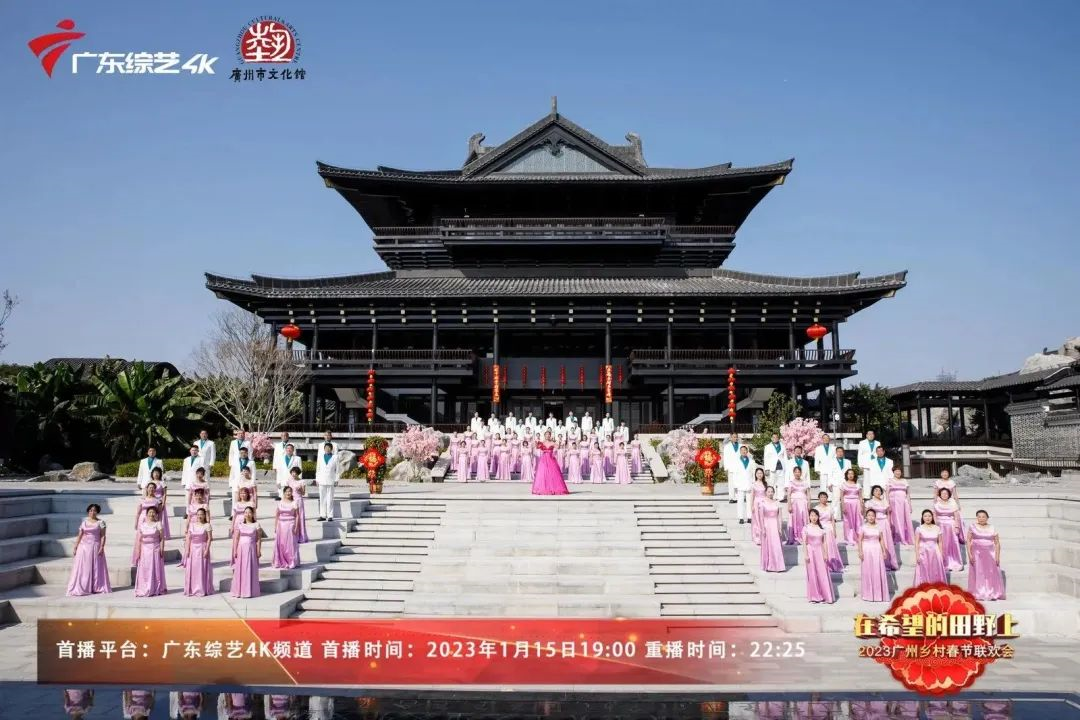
x=496, y=383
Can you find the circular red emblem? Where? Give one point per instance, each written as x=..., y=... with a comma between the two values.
x=943, y=639
x=268, y=40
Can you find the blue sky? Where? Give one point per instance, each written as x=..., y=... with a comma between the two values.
x=940, y=138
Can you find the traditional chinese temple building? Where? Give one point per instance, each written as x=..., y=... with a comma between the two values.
x=552, y=256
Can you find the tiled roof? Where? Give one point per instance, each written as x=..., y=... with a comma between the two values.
x=456, y=284
x=996, y=382
x=1064, y=383
x=91, y=364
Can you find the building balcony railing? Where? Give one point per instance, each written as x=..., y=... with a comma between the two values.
x=639, y=228
x=384, y=359
x=659, y=359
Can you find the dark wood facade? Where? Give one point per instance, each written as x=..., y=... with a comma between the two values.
x=552, y=255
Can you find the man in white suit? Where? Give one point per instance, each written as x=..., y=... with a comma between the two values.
x=741, y=477
x=586, y=423
x=207, y=451
x=287, y=462
x=238, y=442
x=775, y=452
x=146, y=465
x=729, y=456
x=879, y=472
x=476, y=424
x=551, y=422
x=279, y=449
x=327, y=471
x=236, y=469
x=609, y=424
x=867, y=450
x=825, y=462
x=193, y=462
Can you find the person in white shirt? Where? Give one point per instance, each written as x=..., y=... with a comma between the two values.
x=511, y=422
x=207, y=450
x=824, y=462
x=840, y=466
x=236, y=469
x=879, y=472
x=329, y=438
x=238, y=442
x=327, y=471
x=570, y=419
x=551, y=422
x=730, y=455
x=279, y=449
x=795, y=461
x=574, y=433
x=608, y=423
x=867, y=450
x=147, y=465
x=288, y=461
x=586, y=423
x=773, y=464
x=530, y=421
x=741, y=478
x=193, y=462
x=476, y=424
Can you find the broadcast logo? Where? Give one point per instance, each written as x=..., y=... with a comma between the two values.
x=58, y=41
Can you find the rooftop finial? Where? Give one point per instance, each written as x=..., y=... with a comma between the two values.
x=554, y=104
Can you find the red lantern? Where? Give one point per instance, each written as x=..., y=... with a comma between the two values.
x=543, y=378
x=524, y=375
x=707, y=459
x=484, y=380
x=372, y=459
x=816, y=331
x=581, y=376
x=562, y=376
x=620, y=376
x=290, y=332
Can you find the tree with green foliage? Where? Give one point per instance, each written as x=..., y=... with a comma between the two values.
x=47, y=405
x=780, y=409
x=871, y=408
x=137, y=408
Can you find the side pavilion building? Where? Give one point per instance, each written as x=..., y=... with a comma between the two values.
x=552, y=256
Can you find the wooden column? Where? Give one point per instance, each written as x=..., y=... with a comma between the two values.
x=495, y=361
x=671, y=378
x=434, y=382
x=313, y=408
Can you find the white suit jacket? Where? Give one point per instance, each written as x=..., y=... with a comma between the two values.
x=742, y=477
x=476, y=424
x=866, y=452
x=730, y=455
x=285, y=464
x=279, y=451
x=586, y=424
x=836, y=471
x=234, y=449
x=187, y=473
x=208, y=453
x=327, y=473
x=234, y=472
x=825, y=459
x=771, y=457
x=875, y=475
x=144, y=471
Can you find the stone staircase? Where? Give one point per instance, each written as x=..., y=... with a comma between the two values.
x=1040, y=556
x=37, y=539
x=694, y=564
x=373, y=571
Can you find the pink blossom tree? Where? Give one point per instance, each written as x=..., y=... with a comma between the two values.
x=262, y=447
x=803, y=433
x=681, y=447
x=417, y=444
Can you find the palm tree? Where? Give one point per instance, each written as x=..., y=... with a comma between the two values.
x=137, y=408
x=47, y=403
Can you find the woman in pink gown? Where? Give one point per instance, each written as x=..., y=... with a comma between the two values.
x=609, y=458
x=242, y=505
x=161, y=492
x=622, y=466
x=875, y=582
x=198, y=568
x=461, y=462
x=246, y=483
x=246, y=553
x=879, y=505
x=528, y=463
x=635, y=456
x=757, y=494
x=286, y=533
x=946, y=481
x=772, y=550
x=798, y=503
x=985, y=581
x=573, y=464
x=947, y=515
x=199, y=483
x=503, y=464
x=149, y=501
x=196, y=502
x=560, y=453
x=832, y=549
x=137, y=704
x=930, y=565
x=900, y=507
x=150, y=557
x=299, y=488
x=89, y=572
x=77, y=703
x=549, y=480
x=483, y=463
x=819, y=587
x=596, y=464
x=851, y=506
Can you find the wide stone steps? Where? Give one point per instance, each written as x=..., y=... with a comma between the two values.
x=376, y=564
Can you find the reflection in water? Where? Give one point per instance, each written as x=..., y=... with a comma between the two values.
x=136, y=704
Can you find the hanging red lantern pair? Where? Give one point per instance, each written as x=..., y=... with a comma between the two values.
x=524, y=376
x=581, y=376
x=371, y=395
x=620, y=375
x=562, y=376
